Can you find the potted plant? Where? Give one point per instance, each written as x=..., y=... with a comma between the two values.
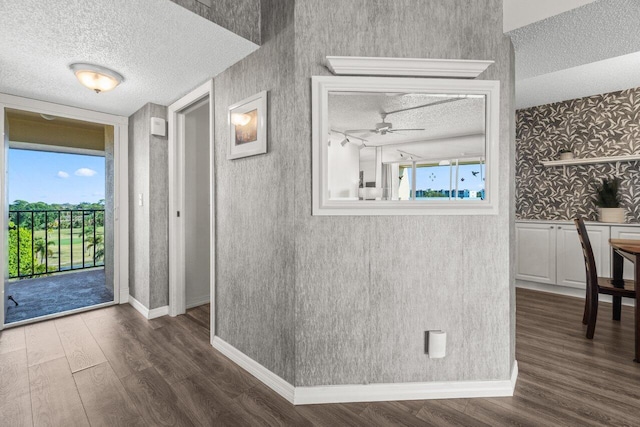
x=566, y=154
x=608, y=202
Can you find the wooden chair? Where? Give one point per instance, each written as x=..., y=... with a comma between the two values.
x=598, y=285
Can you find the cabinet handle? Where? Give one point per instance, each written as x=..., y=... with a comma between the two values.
x=559, y=228
x=551, y=226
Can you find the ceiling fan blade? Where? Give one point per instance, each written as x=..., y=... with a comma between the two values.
x=362, y=135
x=359, y=130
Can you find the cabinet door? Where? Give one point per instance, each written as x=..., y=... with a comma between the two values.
x=625, y=233
x=571, y=271
x=536, y=252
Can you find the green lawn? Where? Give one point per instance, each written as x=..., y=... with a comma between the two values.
x=65, y=248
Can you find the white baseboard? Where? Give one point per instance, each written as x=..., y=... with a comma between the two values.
x=158, y=312
x=566, y=291
x=198, y=302
x=368, y=392
x=406, y=391
x=271, y=380
x=148, y=314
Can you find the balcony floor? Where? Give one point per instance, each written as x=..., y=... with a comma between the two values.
x=55, y=294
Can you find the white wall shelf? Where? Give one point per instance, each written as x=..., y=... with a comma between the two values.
x=590, y=160
x=414, y=67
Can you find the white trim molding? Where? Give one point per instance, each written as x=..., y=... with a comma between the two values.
x=271, y=380
x=57, y=315
x=406, y=391
x=177, y=227
x=148, y=314
x=368, y=392
x=413, y=67
x=55, y=148
x=323, y=204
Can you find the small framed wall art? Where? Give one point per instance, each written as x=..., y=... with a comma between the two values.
x=248, y=127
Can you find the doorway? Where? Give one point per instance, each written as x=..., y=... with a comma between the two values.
x=191, y=201
x=60, y=196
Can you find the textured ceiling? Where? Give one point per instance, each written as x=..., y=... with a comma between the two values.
x=552, y=55
x=610, y=75
x=453, y=129
x=162, y=50
x=518, y=13
x=597, y=31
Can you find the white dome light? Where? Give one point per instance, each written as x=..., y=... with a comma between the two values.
x=95, y=77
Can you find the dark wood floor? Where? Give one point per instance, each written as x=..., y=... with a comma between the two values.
x=112, y=367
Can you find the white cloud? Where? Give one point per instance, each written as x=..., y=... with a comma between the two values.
x=63, y=174
x=85, y=172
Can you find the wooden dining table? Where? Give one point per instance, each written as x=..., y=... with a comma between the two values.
x=627, y=249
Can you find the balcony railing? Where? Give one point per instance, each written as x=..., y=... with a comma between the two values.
x=50, y=241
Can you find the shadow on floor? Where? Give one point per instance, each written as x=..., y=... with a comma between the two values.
x=55, y=294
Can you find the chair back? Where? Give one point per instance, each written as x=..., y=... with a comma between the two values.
x=589, y=260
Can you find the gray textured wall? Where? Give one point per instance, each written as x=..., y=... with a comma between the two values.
x=254, y=204
x=346, y=300
x=148, y=224
x=158, y=205
x=139, y=215
x=368, y=287
x=238, y=16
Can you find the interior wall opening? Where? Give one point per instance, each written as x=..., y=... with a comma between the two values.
x=60, y=216
x=197, y=204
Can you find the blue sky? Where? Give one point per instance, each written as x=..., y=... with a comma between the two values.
x=437, y=178
x=38, y=176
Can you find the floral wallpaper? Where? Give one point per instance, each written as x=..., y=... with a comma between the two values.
x=595, y=126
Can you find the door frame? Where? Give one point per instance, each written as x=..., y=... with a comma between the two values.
x=120, y=191
x=177, y=231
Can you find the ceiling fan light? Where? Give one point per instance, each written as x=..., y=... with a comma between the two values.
x=95, y=77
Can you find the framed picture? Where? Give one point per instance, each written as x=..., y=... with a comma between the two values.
x=248, y=127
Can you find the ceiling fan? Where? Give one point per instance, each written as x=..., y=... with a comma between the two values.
x=382, y=128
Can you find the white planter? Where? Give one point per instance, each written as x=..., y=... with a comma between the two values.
x=615, y=215
x=566, y=156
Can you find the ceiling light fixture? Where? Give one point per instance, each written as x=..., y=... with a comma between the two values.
x=344, y=141
x=47, y=117
x=95, y=77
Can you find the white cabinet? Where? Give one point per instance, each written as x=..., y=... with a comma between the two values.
x=569, y=257
x=620, y=232
x=550, y=252
x=536, y=252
